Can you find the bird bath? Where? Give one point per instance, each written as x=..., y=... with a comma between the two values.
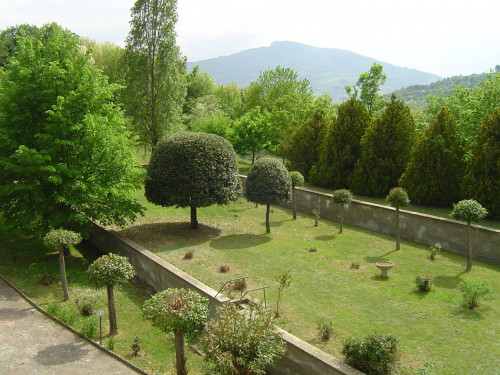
x=384, y=267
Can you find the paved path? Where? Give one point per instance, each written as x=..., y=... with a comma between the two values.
x=31, y=343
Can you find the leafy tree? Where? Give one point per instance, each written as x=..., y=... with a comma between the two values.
x=284, y=280
x=482, y=177
x=197, y=85
x=230, y=97
x=470, y=211
x=180, y=311
x=342, y=197
x=304, y=143
x=110, y=270
x=398, y=197
x=251, y=133
x=341, y=147
x=268, y=183
x=9, y=38
x=193, y=170
x=296, y=179
x=57, y=239
x=66, y=159
x=385, y=150
x=367, y=89
x=434, y=172
x=156, y=79
x=235, y=344
x=109, y=57
x=215, y=124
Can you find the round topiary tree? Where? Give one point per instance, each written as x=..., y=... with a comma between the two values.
x=235, y=344
x=342, y=197
x=398, y=197
x=297, y=180
x=268, y=183
x=110, y=270
x=180, y=311
x=58, y=239
x=193, y=170
x=468, y=210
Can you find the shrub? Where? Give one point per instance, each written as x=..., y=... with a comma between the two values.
x=239, y=284
x=325, y=329
x=284, y=281
x=342, y=197
x=424, y=283
x=316, y=213
x=473, y=291
x=296, y=179
x=235, y=344
x=372, y=354
x=85, y=306
x=136, y=345
x=354, y=266
x=435, y=249
x=111, y=343
x=89, y=329
x=313, y=250
x=224, y=268
x=189, y=254
x=398, y=197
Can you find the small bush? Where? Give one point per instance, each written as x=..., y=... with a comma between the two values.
x=89, y=329
x=473, y=291
x=136, y=345
x=354, y=266
x=111, y=343
x=86, y=304
x=240, y=285
x=316, y=213
x=48, y=278
x=189, y=254
x=325, y=329
x=224, y=268
x=435, y=249
x=424, y=283
x=372, y=354
x=313, y=250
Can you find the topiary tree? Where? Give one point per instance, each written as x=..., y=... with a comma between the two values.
x=470, y=211
x=342, y=197
x=110, y=270
x=180, y=311
x=58, y=239
x=398, y=197
x=268, y=183
x=193, y=170
x=297, y=180
x=237, y=345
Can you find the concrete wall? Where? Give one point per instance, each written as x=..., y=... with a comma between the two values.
x=420, y=228
x=300, y=357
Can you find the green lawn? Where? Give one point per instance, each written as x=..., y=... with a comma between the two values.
x=25, y=263
x=432, y=327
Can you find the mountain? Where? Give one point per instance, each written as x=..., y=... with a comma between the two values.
x=327, y=69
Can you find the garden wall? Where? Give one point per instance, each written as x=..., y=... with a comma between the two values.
x=417, y=227
x=300, y=357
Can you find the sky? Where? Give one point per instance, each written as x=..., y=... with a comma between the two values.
x=443, y=37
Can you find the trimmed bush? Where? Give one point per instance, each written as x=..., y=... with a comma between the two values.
x=398, y=198
x=342, y=197
x=424, y=283
x=297, y=180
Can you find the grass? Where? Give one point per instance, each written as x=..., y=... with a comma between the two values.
x=26, y=263
x=433, y=328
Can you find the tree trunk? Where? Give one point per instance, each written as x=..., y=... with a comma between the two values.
x=293, y=204
x=62, y=270
x=194, y=218
x=253, y=157
x=113, y=327
x=180, y=359
x=397, y=229
x=469, y=249
x=268, y=227
x=341, y=217
x=66, y=251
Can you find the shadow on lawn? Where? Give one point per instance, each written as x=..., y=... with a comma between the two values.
x=379, y=258
x=239, y=241
x=325, y=237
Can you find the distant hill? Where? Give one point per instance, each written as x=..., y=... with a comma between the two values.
x=328, y=69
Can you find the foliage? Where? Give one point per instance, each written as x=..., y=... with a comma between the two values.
x=156, y=79
x=296, y=179
x=230, y=98
x=86, y=303
x=398, y=197
x=473, y=291
x=268, y=182
x=435, y=249
x=342, y=196
x=110, y=269
x=424, y=282
x=341, y=147
x=385, y=150
x=57, y=237
x=111, y=343
x=468, y=210
x=368, y=87
x=9, y=38
x=373, y=354
x=61, y=313
x=303, y=148
x=89, y=329
x=434, y=172
x=197, y=85
x=325, y=329
x=250, y=133
x=177, y=310
x=189, y=254
x=236, y=344
x=62, y=140
x=224, y=268
x=482, y=177
x=109, y=58
x=136, y=345
x=193, y=170
x=220, y=125
x=284, y=280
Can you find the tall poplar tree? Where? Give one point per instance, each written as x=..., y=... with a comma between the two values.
x=156, y=70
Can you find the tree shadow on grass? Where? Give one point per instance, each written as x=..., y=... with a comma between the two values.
x=469, y=314
x=419, y=293
x=239, y=241
x=379, y=258
x=447, y=281
x=326, y=237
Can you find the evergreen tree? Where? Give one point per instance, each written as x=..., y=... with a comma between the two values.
x=385, y=150
x=341, y=147
x=482, y=178
x=305, y=141
x=436, y=167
